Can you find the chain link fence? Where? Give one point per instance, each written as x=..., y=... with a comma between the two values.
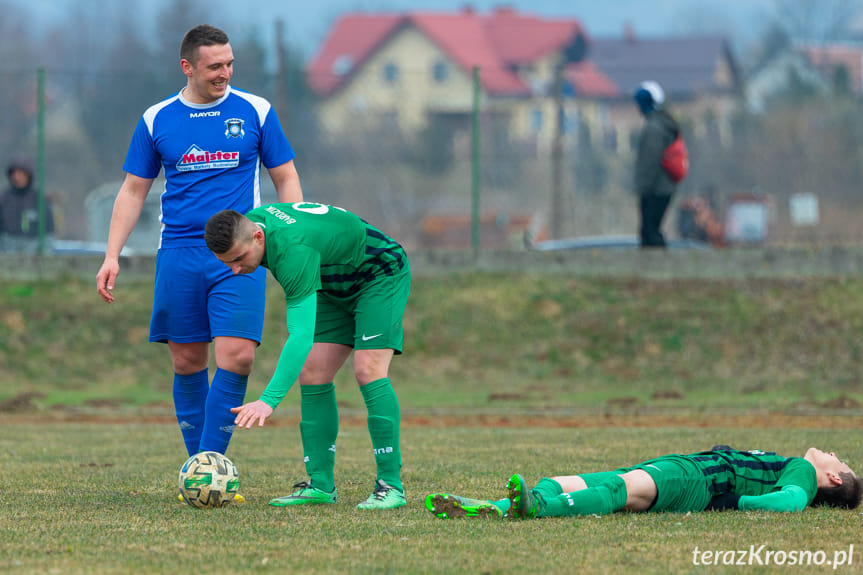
x=786, y=177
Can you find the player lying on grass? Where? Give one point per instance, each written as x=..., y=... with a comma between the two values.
x=346, y=287
x=719, y=479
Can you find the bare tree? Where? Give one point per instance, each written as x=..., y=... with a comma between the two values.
x=17, y=78
x=816, y=22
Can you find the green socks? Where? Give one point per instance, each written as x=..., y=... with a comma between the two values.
x=319, y=428
x=601, y=498
x=547, y=488
x=384, y=421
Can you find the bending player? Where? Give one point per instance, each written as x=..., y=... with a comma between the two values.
x=346, y=287
x=722, y=478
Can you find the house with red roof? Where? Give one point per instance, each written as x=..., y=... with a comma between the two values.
x=411, y=68
x=833, y=60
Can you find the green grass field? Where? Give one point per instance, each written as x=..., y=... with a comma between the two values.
x=544, y=375
x=101, y=498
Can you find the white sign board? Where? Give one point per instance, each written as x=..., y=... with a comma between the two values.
x=803, y=209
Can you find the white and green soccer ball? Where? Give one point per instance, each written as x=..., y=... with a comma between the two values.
x=209, y=479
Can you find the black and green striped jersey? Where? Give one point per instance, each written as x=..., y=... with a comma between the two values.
x=311, y=247
x=754, y=472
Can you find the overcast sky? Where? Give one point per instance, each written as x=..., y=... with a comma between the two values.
x=308, y=21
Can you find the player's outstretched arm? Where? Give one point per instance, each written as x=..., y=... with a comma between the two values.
x=789, y=498
x=300, y=318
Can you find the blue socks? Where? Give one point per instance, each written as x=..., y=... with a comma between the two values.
x=204, y=411
x=190, y=396
x=228, y=390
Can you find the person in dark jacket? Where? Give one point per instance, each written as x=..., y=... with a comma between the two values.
x=19, y=208
x=653, y=185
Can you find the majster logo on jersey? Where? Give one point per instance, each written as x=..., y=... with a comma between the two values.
x=197, y=159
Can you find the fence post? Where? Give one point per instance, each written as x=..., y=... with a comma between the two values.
x=475, y=165
x=40, y=156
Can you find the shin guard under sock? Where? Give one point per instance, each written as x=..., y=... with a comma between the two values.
x=319, y=429
x=384, y=422
x=190, y=398
x=600, y=499
x=228, y=390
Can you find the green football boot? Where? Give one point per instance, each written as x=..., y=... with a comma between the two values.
x=305, y=494
x=384, y=497
x=447, y=506
x=522, y=503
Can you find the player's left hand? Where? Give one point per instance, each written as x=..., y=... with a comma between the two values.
x=248, y=414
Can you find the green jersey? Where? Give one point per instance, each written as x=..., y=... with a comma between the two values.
x=754, y=472
x=727, y=478
x=317, y=251
x=311, y=247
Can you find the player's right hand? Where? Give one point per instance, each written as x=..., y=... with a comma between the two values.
x=106, y=278
x=251, y=413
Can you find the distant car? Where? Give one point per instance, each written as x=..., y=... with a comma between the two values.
x=618, y=242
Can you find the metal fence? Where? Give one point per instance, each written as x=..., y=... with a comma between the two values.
x=789, y=176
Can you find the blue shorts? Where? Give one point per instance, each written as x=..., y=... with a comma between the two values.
x=196, y=298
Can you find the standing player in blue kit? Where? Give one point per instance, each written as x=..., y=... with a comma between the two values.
x=211, y=140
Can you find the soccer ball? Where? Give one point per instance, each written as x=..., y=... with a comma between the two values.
x=209, y=479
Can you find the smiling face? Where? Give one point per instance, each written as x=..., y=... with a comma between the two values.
x=209, y=74
x=245, y=256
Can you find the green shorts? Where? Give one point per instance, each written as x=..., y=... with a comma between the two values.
x=680, y=484
x=369, y=319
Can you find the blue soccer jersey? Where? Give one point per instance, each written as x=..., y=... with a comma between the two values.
x=211, y=154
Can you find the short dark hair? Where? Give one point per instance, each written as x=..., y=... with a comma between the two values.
x=222, y=230
x=846, y=496
x=203, y=35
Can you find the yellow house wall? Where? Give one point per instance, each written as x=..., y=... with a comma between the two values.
x=414, y=93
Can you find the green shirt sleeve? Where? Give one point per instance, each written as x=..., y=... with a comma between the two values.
x=300, y=317
x=789, y=498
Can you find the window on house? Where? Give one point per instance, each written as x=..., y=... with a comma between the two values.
x=604, y=115
x=583, y=137
x=570, y=122
x=440, y=71
x=343, y=64
x=609, y=140
x=391, y=73
x=536, y=120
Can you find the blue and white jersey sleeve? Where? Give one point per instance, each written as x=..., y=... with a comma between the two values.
x=275, y=148
x=143, y=159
